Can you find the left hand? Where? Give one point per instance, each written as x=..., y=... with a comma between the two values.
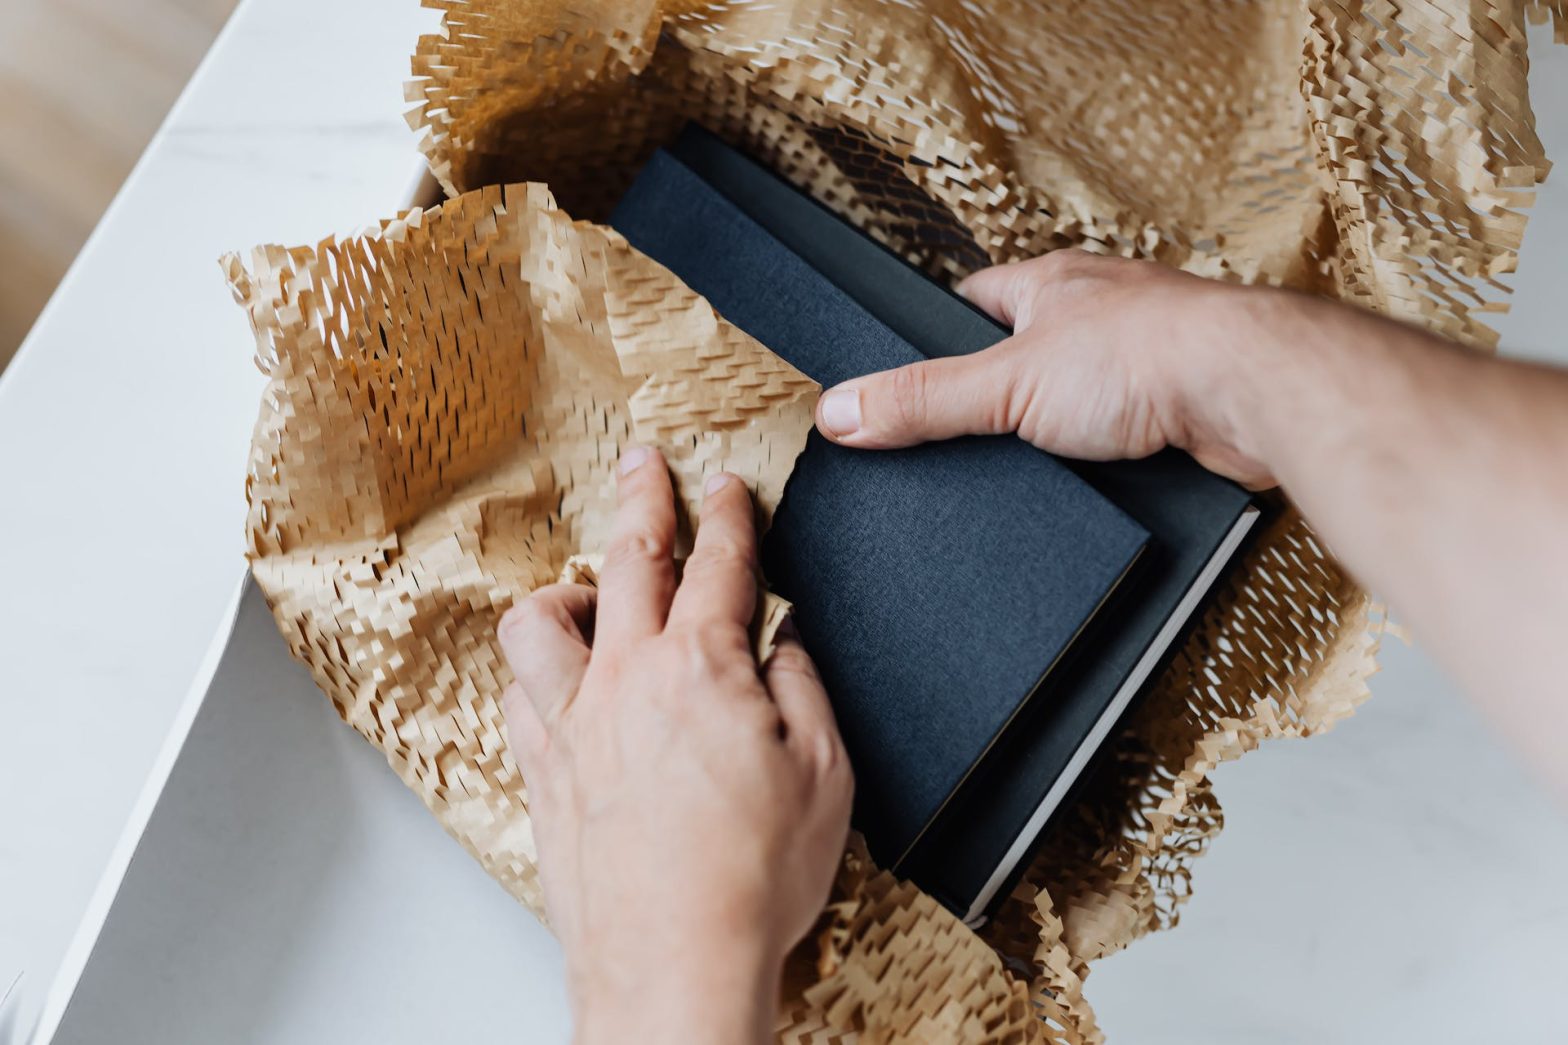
x=690, y=806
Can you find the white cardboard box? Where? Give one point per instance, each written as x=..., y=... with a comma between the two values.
x=289, y=888
x=278, y=883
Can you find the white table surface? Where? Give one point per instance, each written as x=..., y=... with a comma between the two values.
x=1397, y=880
x=124, y=425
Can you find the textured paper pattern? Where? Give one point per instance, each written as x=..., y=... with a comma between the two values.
x=446, y=401
x=447, y=393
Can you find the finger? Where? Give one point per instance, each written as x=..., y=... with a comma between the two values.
x=526, y=733
x=545, y=641
x=979, y=394
x=1005, y=292
x=638, y=578
x=792, y=681
x=997, y=290
x=719, y=583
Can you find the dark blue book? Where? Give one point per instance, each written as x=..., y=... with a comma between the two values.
x=1198, y=521
x=941, y=588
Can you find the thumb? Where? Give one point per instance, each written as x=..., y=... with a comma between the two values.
x=923, y=402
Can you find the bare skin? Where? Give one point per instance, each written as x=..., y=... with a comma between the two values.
x=689, y=806
x=1437, y=476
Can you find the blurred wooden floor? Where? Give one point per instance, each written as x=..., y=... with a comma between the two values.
x=83, y=86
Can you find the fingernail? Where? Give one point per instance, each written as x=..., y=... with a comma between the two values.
x=633, y=458
x=841, y=411
x=716, y=483
x=962, y=290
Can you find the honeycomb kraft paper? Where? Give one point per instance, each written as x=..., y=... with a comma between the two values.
x=448, y=392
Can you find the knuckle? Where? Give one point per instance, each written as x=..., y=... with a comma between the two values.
x=1069, y=283
x=1071, y=268
x=733, y=642
x=512, y=699
x=826, y=752
x=1070, y=263
x=719, y=553
x=1073, y=259
x=523, y=618
x=844, y=783
x=822, y=755
x=1015, y=396
x=793, y=660
x=907, y=389
x=1056, y=264
x=757, y=717
x=691, y=650
x=1053, y=275
x=711, y=653
x=638, y=547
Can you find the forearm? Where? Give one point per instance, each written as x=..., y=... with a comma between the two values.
x=1438, y=477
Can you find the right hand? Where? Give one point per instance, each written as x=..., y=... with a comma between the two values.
x=1433, y=471
x=1110, y=358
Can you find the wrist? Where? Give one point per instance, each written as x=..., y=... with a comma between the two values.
x=1254, y=360
x=718, y=990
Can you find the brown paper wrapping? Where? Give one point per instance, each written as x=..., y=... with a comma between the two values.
x=438, y=437
x=448, y=392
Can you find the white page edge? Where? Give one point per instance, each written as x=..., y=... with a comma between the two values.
x=1200, y=587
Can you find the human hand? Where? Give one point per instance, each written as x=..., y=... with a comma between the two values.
x=1110, y=358
x=1431, y=470
x=690, y=808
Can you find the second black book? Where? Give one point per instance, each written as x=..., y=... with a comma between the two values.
x=1197, y=521
x=938, y=588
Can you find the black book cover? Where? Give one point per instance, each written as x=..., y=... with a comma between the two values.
x=936, y=587
x=980, y=843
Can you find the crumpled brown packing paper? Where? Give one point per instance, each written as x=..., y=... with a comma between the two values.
x=438, y=437
x=448, y=392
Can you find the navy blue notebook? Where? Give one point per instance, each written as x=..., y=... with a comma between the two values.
x=938, y=588
x=978, y=846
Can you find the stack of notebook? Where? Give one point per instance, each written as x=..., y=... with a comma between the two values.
x=982, y=612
